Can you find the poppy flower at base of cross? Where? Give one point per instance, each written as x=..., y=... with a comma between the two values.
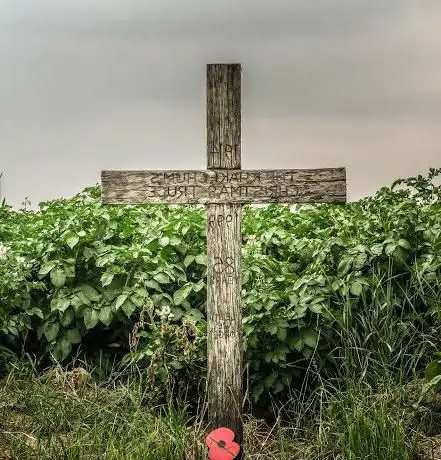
x=221, y=444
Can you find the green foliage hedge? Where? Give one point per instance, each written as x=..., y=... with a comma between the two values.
x=77, y=277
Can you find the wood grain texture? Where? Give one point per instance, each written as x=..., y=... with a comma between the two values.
x=224, y=306
x=225, y=186
x=224, y=314
x=223, y=116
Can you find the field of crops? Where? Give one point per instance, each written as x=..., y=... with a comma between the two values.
x=341, y=311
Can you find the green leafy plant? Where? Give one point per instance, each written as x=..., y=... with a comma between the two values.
x=76, y=277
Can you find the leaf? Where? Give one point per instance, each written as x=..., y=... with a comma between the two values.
x=90, y=292
x=88, y=253
x=280, y=353
x=58, y=277
x=278, y=387
x=106, y=279
x=316, y=308
x=297, y=343
x=298, y=284
x=59, y=304
x=73, y=336
x=310, y=337
x=281, y=334
x=79, y=299
x=164, y=241
x=344, y=266
x=69, y=270
x=105, y=259
x=47, y=267
x=377, y=249
x=270, y=379
x=120, y=300
x=198, y=286
x=62, y=350
x=105, y=315
x=434, y=384
x=294, y=299
x=13, y=330
x=51, y=331
x=181, y=294
x=390, y=248
x=161, y=278
x=35, y=312
x=201, y=259
x=257, y=391
x=404, y=244
x=335, y=286
x=360, y=260
x=152, y=284
x=356, y=288
x=299, y=312
x=189, y=260
x=67, y=317
x=268, y=356
x=194, y=315
x=142, y=292
x=138, y=300
x=40, y=332
x=91, y=318
x=72, y=241
x=186, y=304
x=174, y=241
x=128, y=308
x=432, y=370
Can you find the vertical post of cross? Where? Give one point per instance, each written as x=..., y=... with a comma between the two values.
x=224, y=310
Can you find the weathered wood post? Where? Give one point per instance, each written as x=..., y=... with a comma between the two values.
x=224, y=253
x=223, y=188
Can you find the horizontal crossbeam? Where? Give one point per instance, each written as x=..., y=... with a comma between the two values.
x=218, y=186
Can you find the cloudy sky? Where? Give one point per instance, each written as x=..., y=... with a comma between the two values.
x=87, y=85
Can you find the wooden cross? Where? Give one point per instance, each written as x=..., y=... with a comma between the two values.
x=223, y=188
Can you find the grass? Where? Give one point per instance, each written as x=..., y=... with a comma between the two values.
x=368, y=406
x=374, y=426
x=62, y=416
x=58, y=418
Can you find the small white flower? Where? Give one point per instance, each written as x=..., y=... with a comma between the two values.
x=3, y=251
x=20, y=260
x=165, y=313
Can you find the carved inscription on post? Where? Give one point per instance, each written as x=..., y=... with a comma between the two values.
x=224, y=308
x=223, y=153
x=224, y=315
x=225, y=186
x=224, y=116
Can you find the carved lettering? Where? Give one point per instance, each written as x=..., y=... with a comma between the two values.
x=223, y=192
x=225, y=186
x=219, y=220
x=224, y=330
x=219, y=153
x=224, y=266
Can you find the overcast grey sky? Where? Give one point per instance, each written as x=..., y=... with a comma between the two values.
x=87, y=85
